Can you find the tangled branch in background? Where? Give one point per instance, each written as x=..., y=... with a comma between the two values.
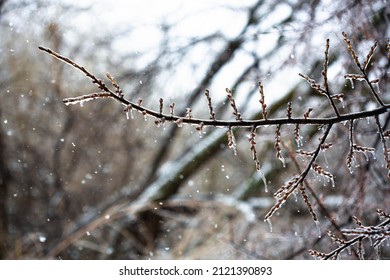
x=295, y=184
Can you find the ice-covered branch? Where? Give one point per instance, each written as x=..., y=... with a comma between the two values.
x=377, y=234
x=326, y=122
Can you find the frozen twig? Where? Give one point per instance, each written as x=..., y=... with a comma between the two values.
x=233, y=104
x=211, y=109
x=285, y=192
x=364, y=68
x=87, y=97
x=262, y=101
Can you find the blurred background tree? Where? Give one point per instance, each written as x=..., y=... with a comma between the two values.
x=87, y=183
